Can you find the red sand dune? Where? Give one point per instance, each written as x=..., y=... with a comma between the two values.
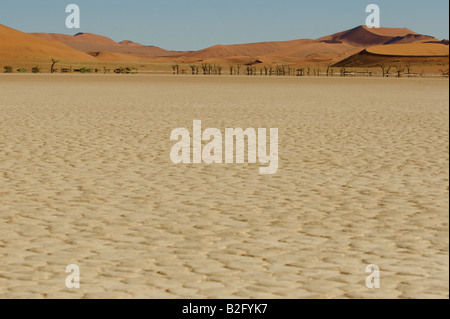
x=329, y=49
x=78, y=38
x=389, y=32
x=274, y=52
x=332, y=48
x=88, y=42
x=288, y=50
x=363, y=36
x=251, y=49
x=129, y=43
x=412, y=38
x=16, y=44
x=365, y=59
x=114, y=56
x=411, y=49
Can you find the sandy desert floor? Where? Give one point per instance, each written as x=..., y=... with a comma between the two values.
x=86, y=179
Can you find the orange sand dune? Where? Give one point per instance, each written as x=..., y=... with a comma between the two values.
x=17, y=44
x=251, y=49
x=412, y=38
x=114, y=56
x=362, y=36
x=366, y=59
x=331, y=48
x=78, y=38
x=411, y=49
x=269, y=52
x=88, y=42
x=389, y=32
x=321, y=50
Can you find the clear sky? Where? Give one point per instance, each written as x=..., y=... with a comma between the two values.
x=197, y=24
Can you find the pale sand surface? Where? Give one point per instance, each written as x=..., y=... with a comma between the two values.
x=86, y=178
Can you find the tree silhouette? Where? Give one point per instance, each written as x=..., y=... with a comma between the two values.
x=193, y=66
x=408, y=68
x=329, y=69
x=444, y=72
x=385, y=69
x=231, y=69
x=54, y=61
x=175, y=68
x=399, y=69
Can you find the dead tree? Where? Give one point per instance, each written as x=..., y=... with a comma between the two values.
x=54, y=61
x=231, y=69
x=386, y=70
x=216, y=69
x=408, y=68
x=277, y=70
x=205, y=68
x=317, y=71
x=399, y=70
x=328, y=69
x=192, y=66
x=444, y=73
x=176, y=68
x=280, y=70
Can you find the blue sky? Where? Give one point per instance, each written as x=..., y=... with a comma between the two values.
x=197, y=24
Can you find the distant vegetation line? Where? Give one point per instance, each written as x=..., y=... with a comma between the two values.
x=330, y=69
